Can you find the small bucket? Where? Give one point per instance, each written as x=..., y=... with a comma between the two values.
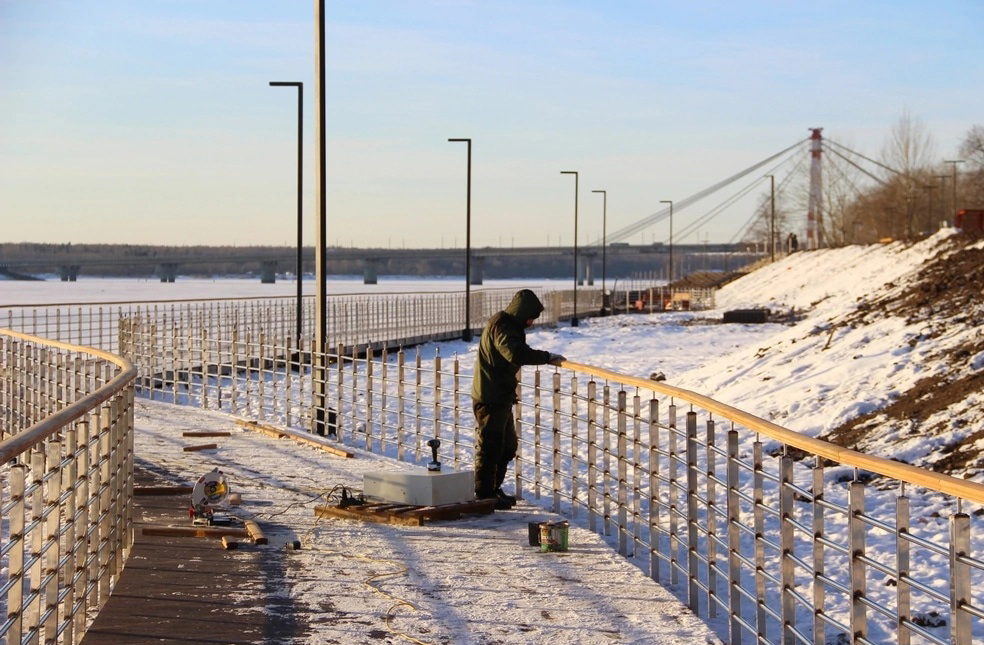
x=553, y=536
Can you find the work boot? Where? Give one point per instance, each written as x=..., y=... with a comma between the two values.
x=509, y=499
x=501, y=504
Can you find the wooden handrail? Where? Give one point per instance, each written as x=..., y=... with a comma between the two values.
x=961, y=488
x=41, y=430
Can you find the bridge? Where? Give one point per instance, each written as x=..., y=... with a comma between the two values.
x=167, y=261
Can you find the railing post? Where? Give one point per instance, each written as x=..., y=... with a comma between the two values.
x=960, y=577
x=537, y=439
x=555, y=462
x=674, y=508
x=712, y=514
x=654, y=528
x=692, y=513
x=592, y=482
x=401, y=403
x=734, y=541
x=637, y=470
x=456, y=413
x=787, y=571
x=758, y=519
x=622, y=501
x=370, y=393
x=856, y=535
x=606, y=456
x=15, y=562
x=52, y=529
x=574, y=447
x=903, y=588
x=819, y=596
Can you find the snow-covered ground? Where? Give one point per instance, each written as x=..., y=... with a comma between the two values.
x=477, y=580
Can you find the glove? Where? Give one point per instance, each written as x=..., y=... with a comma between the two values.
x=556, y=359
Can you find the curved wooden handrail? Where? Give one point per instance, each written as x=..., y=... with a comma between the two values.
x=961, y=488
x=17, y=444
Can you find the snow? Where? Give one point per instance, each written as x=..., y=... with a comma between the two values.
x=477, y=580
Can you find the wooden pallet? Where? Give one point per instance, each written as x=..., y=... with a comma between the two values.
x=406, y=515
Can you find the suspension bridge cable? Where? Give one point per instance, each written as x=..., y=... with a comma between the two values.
x=849, y=180
x=717, y=210
x=854, y=152
x=645, y=222
x=837, y=153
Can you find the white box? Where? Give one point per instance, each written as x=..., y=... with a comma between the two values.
x=420, y=488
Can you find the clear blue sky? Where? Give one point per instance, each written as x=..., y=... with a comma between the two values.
x=152, y=122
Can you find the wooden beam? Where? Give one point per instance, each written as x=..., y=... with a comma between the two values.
x=195, y=531
x=277, y=433
x=162, y=490
x=204, y=446
x=205, y=434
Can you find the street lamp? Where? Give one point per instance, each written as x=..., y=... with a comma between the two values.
x=670, y=282
x=466, y=335
x=300, y=191
x=574, y=322
x=772, y=225
x=954, y=162
x=604, y=244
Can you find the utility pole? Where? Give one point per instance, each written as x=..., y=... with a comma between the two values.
x=954, y=163
x=772, y=225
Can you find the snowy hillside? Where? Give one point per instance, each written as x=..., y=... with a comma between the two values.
x=884, y=351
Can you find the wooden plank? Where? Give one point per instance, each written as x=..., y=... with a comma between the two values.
x=195, y=531
x=229, y=543
x=162, y=490
x=349, y=514
x=265, y=429
x=206, y=434
x=280, y=434
x=204, y=446
x=405, y=515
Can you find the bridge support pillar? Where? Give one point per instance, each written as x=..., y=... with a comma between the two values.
x=370, y=271
x=167, y=271
x=477, y=268
x=268, y=272
x=69, y=272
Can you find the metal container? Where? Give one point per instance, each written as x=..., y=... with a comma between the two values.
x=553, y=536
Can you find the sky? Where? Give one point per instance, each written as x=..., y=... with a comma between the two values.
x=461, y=576
x=153, y=123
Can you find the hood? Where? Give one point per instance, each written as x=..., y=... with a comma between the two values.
x=525, y=306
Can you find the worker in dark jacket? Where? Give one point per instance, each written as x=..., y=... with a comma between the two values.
x=501, y=352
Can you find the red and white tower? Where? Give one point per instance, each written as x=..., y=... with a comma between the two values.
x=814, y=210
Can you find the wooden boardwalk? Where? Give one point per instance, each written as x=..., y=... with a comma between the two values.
x=192, y=590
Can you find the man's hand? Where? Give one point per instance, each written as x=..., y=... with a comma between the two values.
x=556, y=359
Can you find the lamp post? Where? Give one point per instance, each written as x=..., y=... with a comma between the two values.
x=942, y=179
x=300, y=201
x=954, y=163
x=604, y=244
x=466, y=334
x=319, y=361
x=670, y=282
x=574, y=322
x=772, y=224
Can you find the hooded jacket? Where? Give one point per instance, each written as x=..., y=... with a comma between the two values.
x=503, y=350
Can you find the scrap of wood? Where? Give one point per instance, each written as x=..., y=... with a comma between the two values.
x=259, y=427
x=195, y=531
x=206, y=434
x=280, y=434
x=254, y=532
x=162, y=490
x=204, y=446
x=229, y=543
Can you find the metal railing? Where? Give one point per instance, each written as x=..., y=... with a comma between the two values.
x=353, y=320
x=66, y=485
x=772, y=536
